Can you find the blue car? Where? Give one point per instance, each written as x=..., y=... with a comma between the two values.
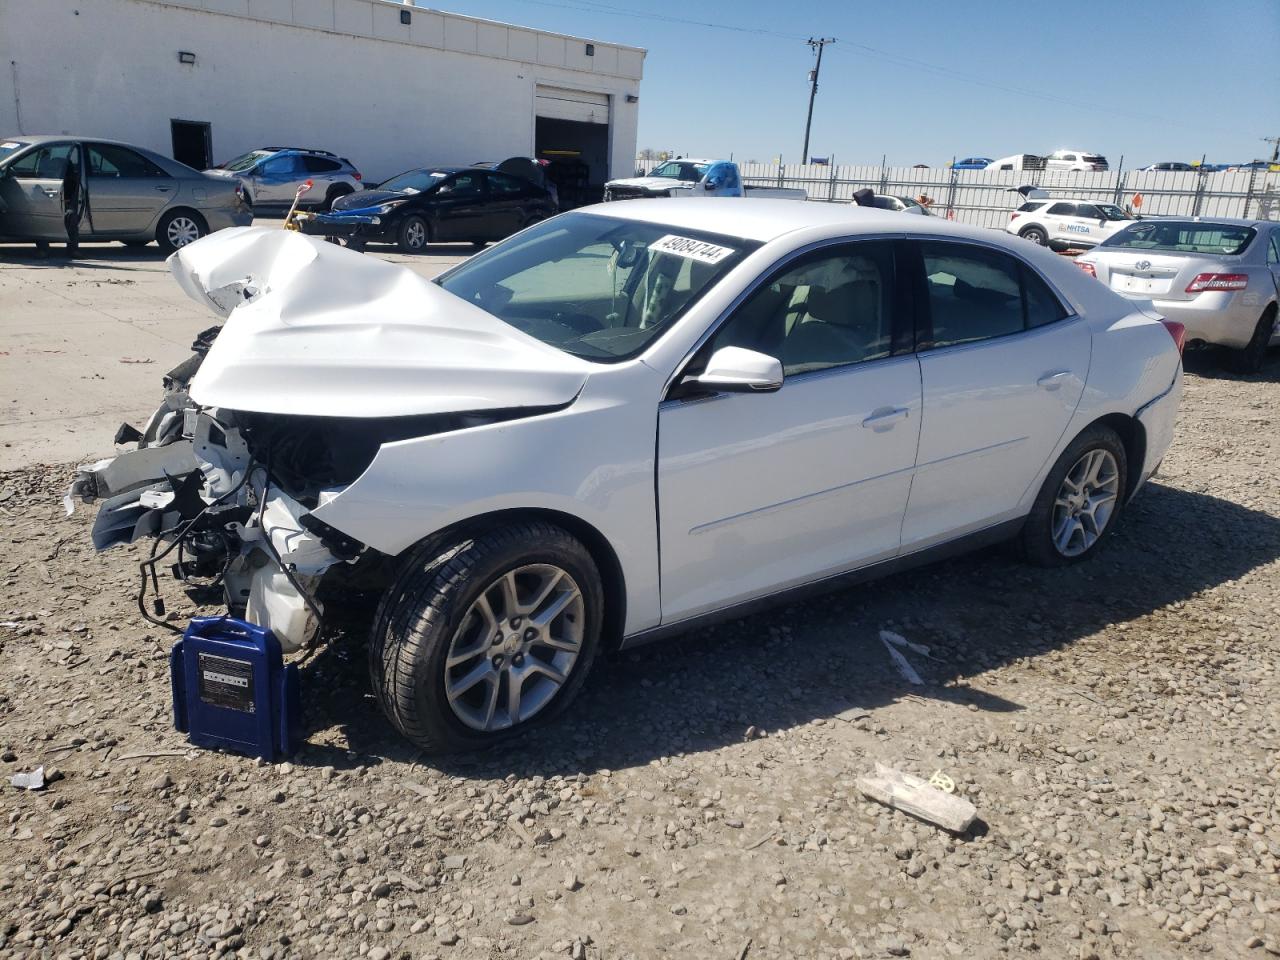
x=971, y=163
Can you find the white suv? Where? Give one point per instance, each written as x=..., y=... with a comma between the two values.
x=1076, y=160
x=1067, y=224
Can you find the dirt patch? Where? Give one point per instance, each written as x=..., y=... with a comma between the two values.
x=1116, y=725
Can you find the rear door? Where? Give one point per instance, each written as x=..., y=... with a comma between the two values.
x=33, y=192
x=126, y=190
x=460, y=208
x=1003, y=365
x=323, y=172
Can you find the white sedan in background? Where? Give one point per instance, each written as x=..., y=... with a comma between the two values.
x=1067, y=224
x=624, y=422
x=1219, y=278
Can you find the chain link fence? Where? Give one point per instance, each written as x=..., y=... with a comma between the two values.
x=986, y=198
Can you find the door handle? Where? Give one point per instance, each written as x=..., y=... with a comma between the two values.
x=1052, y=381
x=51, y=193
x=164, y=189
x=884, y=418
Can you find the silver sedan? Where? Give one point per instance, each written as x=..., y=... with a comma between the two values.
x=131, y=194
x=1219, y=278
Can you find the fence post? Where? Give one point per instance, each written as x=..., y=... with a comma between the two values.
x=779, y=172
x=1199, y=197
x=831, y=186
x=1248, y=195
x=951, y=192
x=1119, y=182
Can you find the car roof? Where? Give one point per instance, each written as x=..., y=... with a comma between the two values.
x=766, y=220
x=33, y=139
x=1213, y=221
x=684, y=160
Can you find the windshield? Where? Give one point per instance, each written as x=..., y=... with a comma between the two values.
x=1223, y=239
x=414, y=181
x=680, y=170
x=1111, y=212
x=8, y=148
x=245, y=161
x=597, y=287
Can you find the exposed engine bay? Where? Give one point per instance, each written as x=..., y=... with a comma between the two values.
x=252, y=434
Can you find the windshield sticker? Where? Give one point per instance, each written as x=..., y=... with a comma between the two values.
x=10, y=145
x=691, y=249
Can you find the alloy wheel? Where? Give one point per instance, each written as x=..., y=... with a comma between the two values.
x=515, y=647
x=416, y=235
x=182, y=231
x=1085, y=502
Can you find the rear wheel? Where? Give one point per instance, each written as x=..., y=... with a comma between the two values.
x=179, y=228
x=414, y=234
x=480, y=640
x=1035, y=235
x=1079, y=502
x=1249, y=358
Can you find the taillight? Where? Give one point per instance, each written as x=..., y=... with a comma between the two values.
x=1178, y=332
x=357, y=176
x=1087, y=268
x=1014, y=216
x=1218, y=281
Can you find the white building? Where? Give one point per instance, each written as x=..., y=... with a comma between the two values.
x=387, y=84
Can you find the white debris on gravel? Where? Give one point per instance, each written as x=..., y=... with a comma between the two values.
x=1114, y=722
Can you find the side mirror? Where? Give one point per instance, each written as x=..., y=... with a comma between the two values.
x=711, y=185
x=738, y=370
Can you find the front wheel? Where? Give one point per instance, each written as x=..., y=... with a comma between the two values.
x=414, y=234
x=1035, y=235
x=1249, y=358
x=480, y=640
x=179, y=228
x=1079, y=502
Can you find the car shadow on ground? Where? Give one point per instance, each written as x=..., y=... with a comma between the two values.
x=91, y=256
x=823, y=657
x=1211, y=363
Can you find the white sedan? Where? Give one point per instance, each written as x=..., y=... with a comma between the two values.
x=624, y=422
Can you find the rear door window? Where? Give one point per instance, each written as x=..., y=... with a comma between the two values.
x=320, y=164
x=501, y=185
x=975, y=293
x=108, y=161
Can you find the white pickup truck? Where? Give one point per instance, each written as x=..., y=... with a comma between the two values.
x=694, y=178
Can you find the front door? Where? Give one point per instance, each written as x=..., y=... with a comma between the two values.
x=126, y=190
x=1003, y=366
x=508, y=199
x=460, y=209
x=758, y=492
x=276, y=179
x=33, y=192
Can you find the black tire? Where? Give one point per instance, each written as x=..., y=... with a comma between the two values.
x=1037, y=537
x=1035, y=235
x=414, y=234
x=1251, y=357
x=428, y=602
x=168, y=244
x=336, y=192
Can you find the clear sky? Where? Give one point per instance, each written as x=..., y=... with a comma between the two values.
x=921, y=82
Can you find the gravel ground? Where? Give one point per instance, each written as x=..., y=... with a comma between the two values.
x=1116, y=725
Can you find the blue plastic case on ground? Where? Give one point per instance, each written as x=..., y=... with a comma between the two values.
x=231, y=689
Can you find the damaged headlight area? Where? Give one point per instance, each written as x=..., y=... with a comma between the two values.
x=227, y=498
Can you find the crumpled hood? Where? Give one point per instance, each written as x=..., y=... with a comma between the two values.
x=314, y=329
x=652, y=183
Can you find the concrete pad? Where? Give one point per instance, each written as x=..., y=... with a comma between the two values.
x=85, y=342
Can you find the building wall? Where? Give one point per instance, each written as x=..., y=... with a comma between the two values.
x=342, y=75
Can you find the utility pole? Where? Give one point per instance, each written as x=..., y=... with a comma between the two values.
x=813, y=90
x=1275, y=147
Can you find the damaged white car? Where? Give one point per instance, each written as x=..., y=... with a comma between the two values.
x=620, y=423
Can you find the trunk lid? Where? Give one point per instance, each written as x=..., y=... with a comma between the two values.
x=1144, y=274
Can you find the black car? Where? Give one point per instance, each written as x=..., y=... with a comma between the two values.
x=435, y=205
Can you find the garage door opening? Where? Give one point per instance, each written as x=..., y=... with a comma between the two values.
x=571, y=132
x=191, y=143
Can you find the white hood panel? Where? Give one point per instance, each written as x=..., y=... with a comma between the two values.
x=314, y=329
x=653, y=183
